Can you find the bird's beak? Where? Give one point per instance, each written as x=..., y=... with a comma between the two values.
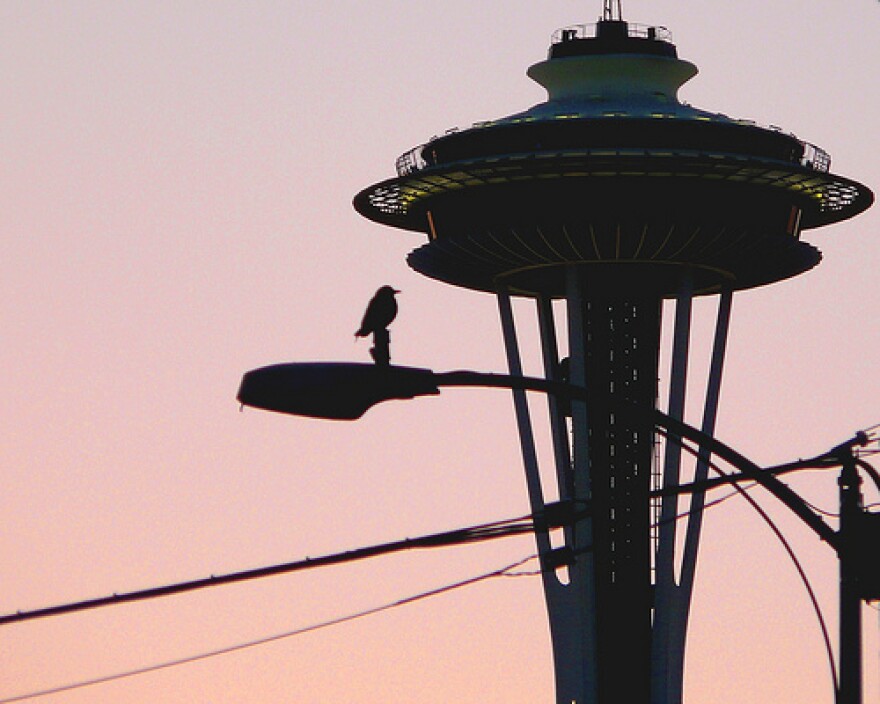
x=397, y=290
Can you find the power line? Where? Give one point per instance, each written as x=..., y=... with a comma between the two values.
x=476, y=533
x=554, y=516
x=506, y=571
x=551, y=518
x=779, y=535
x=822, y=511
x=479, y=533
x=803, y=576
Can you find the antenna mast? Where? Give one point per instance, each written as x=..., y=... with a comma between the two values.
x=608, y=10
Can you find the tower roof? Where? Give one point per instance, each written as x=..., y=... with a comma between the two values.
x=612, y=143
x=611, y=37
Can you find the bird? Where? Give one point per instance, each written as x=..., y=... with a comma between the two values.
x=381, y=310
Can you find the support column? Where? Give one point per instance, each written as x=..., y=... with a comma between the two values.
x=583, y=572
x=557, y=407
x=567, y=608
x=619, y=336
x=665, y=586
x=681, y=602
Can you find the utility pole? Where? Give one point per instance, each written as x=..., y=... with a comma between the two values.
x=850, y=688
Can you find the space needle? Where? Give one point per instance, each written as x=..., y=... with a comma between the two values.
x=611, y=197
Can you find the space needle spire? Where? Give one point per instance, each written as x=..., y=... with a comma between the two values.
x=608, y=11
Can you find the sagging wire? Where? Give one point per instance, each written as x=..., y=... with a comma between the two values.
x=482, y=532
x=554, y=516
x=822, y=511
x=870, y=471
x=819, y=462
x=816, y=463
x=823, y=626
x=709, y=504
x=473, y=534
x=782, y=539
x=507, y=571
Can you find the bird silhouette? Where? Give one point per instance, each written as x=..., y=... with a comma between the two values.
x=381, y=310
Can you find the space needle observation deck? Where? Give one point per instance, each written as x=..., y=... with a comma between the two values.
x=613, y=170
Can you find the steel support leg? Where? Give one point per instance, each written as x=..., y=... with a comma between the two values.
x=682, y=594
x=665, y=560
x=566, y=607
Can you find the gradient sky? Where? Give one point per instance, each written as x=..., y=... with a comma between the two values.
x=175, y=189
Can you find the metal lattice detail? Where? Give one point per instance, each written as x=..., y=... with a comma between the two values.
x=533, y=260
x=622, y=337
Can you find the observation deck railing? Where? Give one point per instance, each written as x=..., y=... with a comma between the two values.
x=412, y=161
x=591, y=31
x=816, y=158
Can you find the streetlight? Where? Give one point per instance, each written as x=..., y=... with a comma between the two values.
x=345, y=391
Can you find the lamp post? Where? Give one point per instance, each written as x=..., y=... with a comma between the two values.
x=345, y=391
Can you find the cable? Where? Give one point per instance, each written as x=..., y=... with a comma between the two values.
x=708, y=504
x=715, y=502
x=872, y=432
x=785, y=544
x=820, y=462
x=495, y=529
x=502, y=572
x=822, y=511
x=871, y=472
x=479, y=533
x=803, y=575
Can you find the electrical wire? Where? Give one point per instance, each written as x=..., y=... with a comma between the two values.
x=478, y=533
x=461, y=536
x=482, y=532
x=815, y=463
x=872, y=432
x=507, y=571
x=707, y=505
x=804, y=579
x=822, y=511
x=823, y=627
x=871, y=472
x=495, y=529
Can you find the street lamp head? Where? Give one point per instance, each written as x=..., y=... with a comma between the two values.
x=331, y=390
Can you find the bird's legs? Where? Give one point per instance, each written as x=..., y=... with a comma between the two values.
x=381, y=349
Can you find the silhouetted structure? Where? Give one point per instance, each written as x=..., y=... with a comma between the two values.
x=381, y=311
x=614, y=196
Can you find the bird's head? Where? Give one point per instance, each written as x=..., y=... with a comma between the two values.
x=387, y=291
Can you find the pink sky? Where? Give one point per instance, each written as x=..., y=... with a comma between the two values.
x=175, y=209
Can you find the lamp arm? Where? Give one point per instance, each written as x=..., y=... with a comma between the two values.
x=751, y=470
